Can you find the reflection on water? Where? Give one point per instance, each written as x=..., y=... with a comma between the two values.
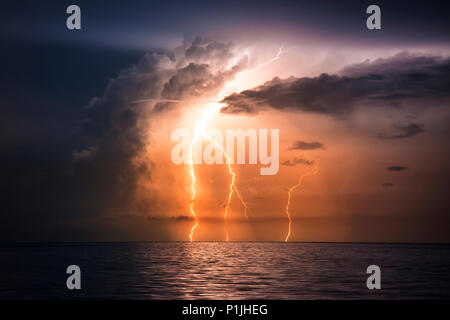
x=217, y=270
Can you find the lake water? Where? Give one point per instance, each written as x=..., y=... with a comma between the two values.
x=218, y=270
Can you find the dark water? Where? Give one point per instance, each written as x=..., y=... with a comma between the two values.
x=213, y=270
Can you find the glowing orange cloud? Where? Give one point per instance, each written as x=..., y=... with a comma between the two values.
x=198, y=133
x=200, y=127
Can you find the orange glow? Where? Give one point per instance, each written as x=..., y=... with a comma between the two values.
x=199, y=131
x=232, y=187
x=191, y=207
x=230, y=194
x=316, y=170
x=242, y=200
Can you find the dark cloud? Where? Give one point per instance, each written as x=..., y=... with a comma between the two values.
x=396, y=168
x=405, y=132
x=297, y=161
x=302, y=145
x=387, y=184
x=104, y=165
x=389, y=81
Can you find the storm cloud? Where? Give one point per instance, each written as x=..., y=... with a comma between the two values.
x=116, y=128
x=104, y=169
x=389, y=81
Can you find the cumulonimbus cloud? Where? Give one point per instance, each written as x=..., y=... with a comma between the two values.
x=389, y=81
x=116, y=123
x=105, y=168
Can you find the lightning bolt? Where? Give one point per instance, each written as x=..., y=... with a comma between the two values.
x=198, y=133
x=230, y=194
x=199, y=129
x=191, y=206
x=232, y=187
x=242, y=201
x=299, y=183
x=275, y=58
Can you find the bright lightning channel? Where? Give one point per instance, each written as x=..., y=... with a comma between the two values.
x=299, y=183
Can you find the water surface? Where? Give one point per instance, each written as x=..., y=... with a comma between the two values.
x=218, y=270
